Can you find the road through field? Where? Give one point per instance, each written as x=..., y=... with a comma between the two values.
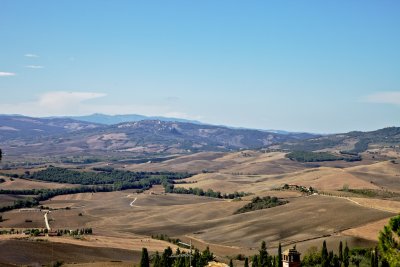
x=365, y=204
x=47, y=221
x=133, y=202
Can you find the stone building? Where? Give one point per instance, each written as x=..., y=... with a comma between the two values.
x=291, y=258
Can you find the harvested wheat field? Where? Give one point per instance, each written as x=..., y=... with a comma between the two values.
x=37, y=253
x=19, y=184
x=124, y=221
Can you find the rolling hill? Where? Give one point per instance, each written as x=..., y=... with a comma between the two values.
x=22, y=135
x=352, y=142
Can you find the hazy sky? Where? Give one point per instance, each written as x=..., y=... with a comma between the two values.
x=318, y=66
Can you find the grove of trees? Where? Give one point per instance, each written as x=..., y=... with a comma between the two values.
x=258, y=203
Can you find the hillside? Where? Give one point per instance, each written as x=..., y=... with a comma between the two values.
x=57, y=136
x=352, y=142
x=21, y=127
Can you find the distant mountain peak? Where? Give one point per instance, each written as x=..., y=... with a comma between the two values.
x=120, y=118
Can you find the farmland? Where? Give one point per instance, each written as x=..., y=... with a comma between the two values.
x=125, y=220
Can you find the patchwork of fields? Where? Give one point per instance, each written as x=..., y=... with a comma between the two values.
x=124, y=221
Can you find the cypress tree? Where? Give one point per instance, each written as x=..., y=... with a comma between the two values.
x=335, y=261
x=144, y=261
x=166, y=260
x=280, y=263
x=346, y=256
x=263, y=258
x=376, y=258
x=254, y=261
x=341, y=252
x=156, y=260
x=324, y=255
x=230, y=263
x=372, y=259
x=179, y=261
x=246, y=262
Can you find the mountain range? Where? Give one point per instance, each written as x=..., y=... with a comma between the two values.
x=64, y=136
x=69, y=136
x=115, y=119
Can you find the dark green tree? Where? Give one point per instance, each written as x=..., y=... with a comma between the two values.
x=263, y=256
x=166, y=260
x=179, y=261
x=346, y=256
x=335, y=261
x=376, y=257
x=254, y=262
x=246, y=262
x=157, y=260
x=196, y=259
x=324, y=255
x=144, y=261
x=206, y=256
x=330, y=258
x=385, y=263
x=356, y=260
x=230, y=263
x=372, y=259
x=389, y=246
x=341, y=252
x=280, y=263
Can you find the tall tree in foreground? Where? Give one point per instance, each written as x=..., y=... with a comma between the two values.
x=263, y=256
x=388, y=242
x=280, y=263
x=166, y=260
x=157, y=260
x=376, y=258
x=246, y=262
x=346, y=256
x=254, y=262
x=340, y=252
x=324, y=255
x=144, y=261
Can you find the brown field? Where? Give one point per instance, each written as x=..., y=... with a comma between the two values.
x=36, y=253
x=124, y=221
x=6, y=200
x=20, y=184
x=368, y=231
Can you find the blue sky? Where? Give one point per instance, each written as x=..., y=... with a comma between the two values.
x=317, y=66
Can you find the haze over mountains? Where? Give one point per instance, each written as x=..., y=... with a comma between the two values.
x=66, y=135
x=115, y=119
x=163, y=136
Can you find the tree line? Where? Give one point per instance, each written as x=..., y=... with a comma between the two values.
x=170, y=188
x=101, y=176
x=385, y=255
x=307, y=156
x=107, y=181
x=178, y=259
